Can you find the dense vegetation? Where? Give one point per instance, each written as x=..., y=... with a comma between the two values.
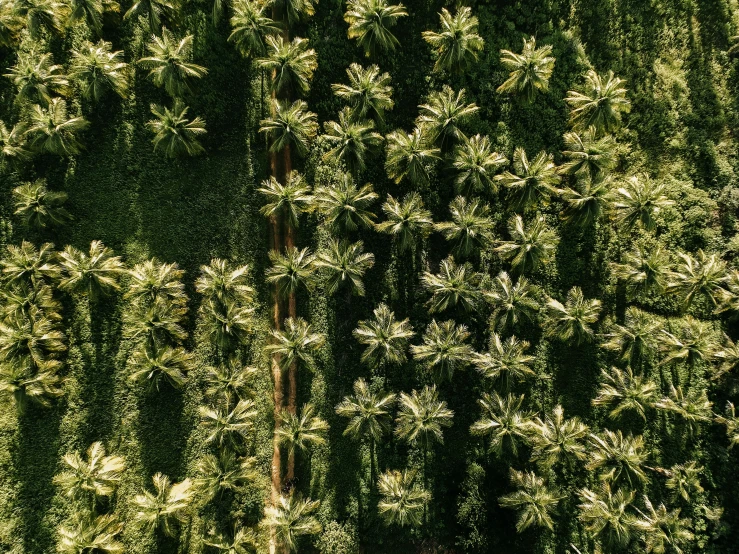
x=369, y=277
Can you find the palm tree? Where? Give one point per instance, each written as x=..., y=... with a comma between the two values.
x=32, y=340
x=295, y=10
x=20, y=300
x=226, y=471
x=291, y=65
x=91, y=534
x=694, y=407
x=731, y=422
x=663, y=530
x=476, y=164
x=634, y=340
x=225, y=425
x=512, y=303
x=605, y=513
x=291, y=125
x=684, y=480
x=291, y=518
x=291, y=271
x=174, y=133
x=10, y=25
x=230, y=380
x=407, y=220
x=153, y=281
x=403, y=502
x=37, y=77
x=530, y=247
x=13, y=149
x=625, y=392
x=443, y=115
x=296, y=343
x=94, y=274
x=159, y=323
x=727, y=357
x=530, y=70
x=571, y=322
x=299, y=432
x=227, y=325
x=408, y=155
x=90, y=11
x=99, y=475
x=39, y=207
x=639, y=200
x=503, y=421
x=161, y=364
x=98, y=69
x=352, y=140
x=370, y=22
x=586, y=201
x=444, y=349
x=600, y=104
x=619, y=457
x=344, y=262
x=288, y=200
x=532, y=182
x=558, y=439
x=52, y=130
x=386, y=338
x=644, y=270
x=22, y=384
x=454, y=285
x=344, y=206
x=30, y=265
x=533, y=500
x=154, y=9
x=250, y=27
x=471, y=227
x=699, y=276
x=368, y=93
x=457, y=45
x=589, y=156
x=244, y=541
x=694, y=342
x=224, y=284
x=169, y=64
x=51, y=14
x=506, y=361
x=166, y=507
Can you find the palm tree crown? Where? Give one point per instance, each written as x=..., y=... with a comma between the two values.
x=154, y=9
x=627, y=391
x=296, y=343
x=454, y=285
x=39, y=207
x=408, y=155
x=605, y=513
x=457, y=45
x=370, y=22
x=37, y=77
x=385, y=337
x=291, y=518
x=352, y=140
x=620, y=457
x=639, y=200
x=290, y=125
x=99, y=475
x=169, y=64
x=530, y=70
x=291, y=271
x=369, y=92
x=92, y=273
x=571, y=322
x=506, y=361
x=530, y=246
x=91, y=534
x=174, y=133
x=291, y=63
x=289, y=199
x=443, y=115
x=471, y=228
x=52, y=130
x=345, y=262
x=558, y=439
x=164, y=508
x=512, y=302
x=407, y=220
x=250, y=27
x=99, y=69
x=503, y=422
x=345, y=206
x=476, y=164
x=600, y=104
x=589, y=156
x=299, y=432
x=534, y=501
x=531, y=182
x=444, y=349
x=368, y=412
x=402, y=502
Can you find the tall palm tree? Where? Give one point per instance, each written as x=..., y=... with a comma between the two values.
x=663, y=529
x=52, y=130
x=288, y=200
x=98, y=69
x=221, y=282
x=296, y=343
x=99, y=475
x=10, y=25
x=13, y=145
x=444, y=349
x=291, y=65
x=227, y=471
x=701, y=275
x=457, y=45
x=291, y=518
x=164, y=508
x=634, y=340
x=39, y=207
x=503, y=422
x=230, y=380
x=169, y=64
x=37, y=78
x=571, y=321
x=30, y=265
x=454, y=285
x=352, y=140
x=586, y=201
x=506, y=362
x=291, y=271
x=22, y=384
x=512, y=303
x=693, y=343
x=343, y=262
x=20, y=300
x=94, y=273
x=158, y=323
x=639, y=200
x=442, y=116
x=644, y=270
x=684, y=480
x=290, y=125
x=161, y=364
x=368, y=93
x=244, y=541
x=370, y=22
x=531, y=182
x=154, y=10
x=605, y=514
x=174, y=133
x=344, y=206
x=403, y=502
x=226, y=325
x=471, y=227
x=407, y=220
x=731, y=422
x=300, y=432
x=153, y=281
x=533, y=500
x=385, y=338
x=558, y=439
x=621, y=458
x=295, y=11
x=32, y=340
x=476, y=164
x=250, y=26
x=600, y=104
x=91, y=534
x=228, y=426
x=530, y=247
x=408, y=155
x=51, y=14
x=529, y=71
x=589, y=156
x=693, y=407
x=624, y=391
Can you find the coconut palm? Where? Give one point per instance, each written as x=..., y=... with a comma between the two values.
x=684, y=480
x=295, y=10
x=91, y=534
x=454, y=285
x=634, y=340
x=36, y=14
x=694, y=407
x=476, y=164
x=89, y=479
x=344, y=206
x=225, y=284
x=37, y=78
x=408, y=155
x=529, y=71
x=443, y=115
x=226, y=471
x=370, y=22
x=663, y=530
x=290, y=125
x=343, y=262
x=169, y=64
x=351, y=140
x=506, y=361
x=605, y=514
x=10, y=25
x=731, y=422
x=557, y=439
x=243, y=541
x=530, y=247
x=444, y=349
x=154, y=366
x=471, y=227
x=153, y=281
x=90, y=11
x=512, y=303
x=571, y=322
x=300, y=432
x=154, y=10
x=403, y=502
x=164, y=508
x=20, y=300
x=31, y=340
x=533, y=500
x=291, y=271
x=693, y=343
x=13, y=148
x=503, y=421
x=225, y=425
x=95, y=273
x=727, y=358
x=22, y=384
x=600, y=104
x=620, y=458
x=250, y=26
x=291, y=65
x=39, y=207
x=531, y=182
x=230, y=380
x=624, y=391
x=590, y=156
x=644, y=270
x=30, y=265
x=639, y=200
x=368, y=93
x=291, y=518
x=98, y=69
x=288, y=200
x=295, y=343
x=174, y=133
x=51, y=130
x=385, y=338
x=226, y=325
x=457, y=45
x=407, y=220
x=158, y=323
x=702, y=275
x=586, y=201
